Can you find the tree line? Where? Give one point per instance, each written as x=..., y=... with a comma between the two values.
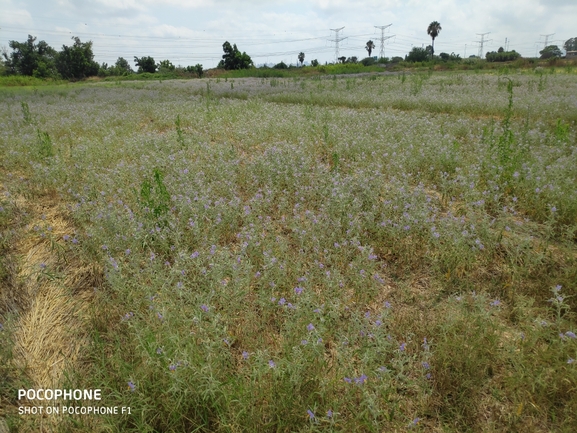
x=74, y=62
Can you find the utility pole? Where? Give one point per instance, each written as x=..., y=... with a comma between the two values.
x=336, y=40
x=547, y=39
x=481, y=42
x=383, y=39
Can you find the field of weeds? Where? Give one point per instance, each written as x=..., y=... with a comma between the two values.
x=368, y=254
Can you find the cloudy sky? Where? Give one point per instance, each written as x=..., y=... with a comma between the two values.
x=188, y=32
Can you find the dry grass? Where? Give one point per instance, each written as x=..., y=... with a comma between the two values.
x=49, y=294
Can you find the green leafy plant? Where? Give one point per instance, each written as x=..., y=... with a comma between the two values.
x=26, y=112
x=45, y=147
x=154, y=195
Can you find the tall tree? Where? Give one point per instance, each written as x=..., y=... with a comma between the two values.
x=145, y=64
x=370, y=47
x=122, y=67
x=433, y=31
x=551, y=51
x=233, y=58
x=29, y=58
x=77, y=61
x=301, y=57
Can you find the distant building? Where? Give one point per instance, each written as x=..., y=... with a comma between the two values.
x=571, y=54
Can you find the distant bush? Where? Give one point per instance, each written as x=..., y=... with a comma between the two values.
x=368, y=61
x=504, y=56
x=417, y=55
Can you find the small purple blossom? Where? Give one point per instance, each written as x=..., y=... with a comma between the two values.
x=282, y=301
x=271, y=364
x=570, y=361
x=245, y=354
x=172, y=367
x=204, y=308
x=304, y=342
x=361, y=379
x=127, y=316
x=571, y=334
x=402, y=347
x=194, y=255
x=131, y=386
x=495, y=303
x=348, y=380
x=311, y=414
x=298, y=290
x=329, y=413
x=310, y=327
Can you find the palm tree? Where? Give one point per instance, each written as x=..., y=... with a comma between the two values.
x=370, y=47
x=301, y=57
x=433, y=31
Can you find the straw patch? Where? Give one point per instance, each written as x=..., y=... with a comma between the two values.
x=52, y=289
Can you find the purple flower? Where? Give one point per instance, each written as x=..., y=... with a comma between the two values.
x=329, y=414
x=66, y=237
x=204, y=308
x=311, y=414
x=372, y=256
x=160, y=316
x=159, y=351
x=245, y=355
x=348, y=379
x=127, y=252
x=113, y=263
x=388, y=304
x=310, y=327
x=402, y=347
x=172, y=367
x=127, y=316
x=570, y=361
x=298, y=290
x=571, y=334
x=415, y=422
x=304, y=342
x=426, y=365
x=194, y=255
x=132, y=386
x=496, y=303
x=271, y=364
x=361, y=379
x=282, y=301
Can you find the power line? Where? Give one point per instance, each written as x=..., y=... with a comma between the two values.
x=481, y=42
x=336, y=40
x=383, y=38
x=547, y=39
